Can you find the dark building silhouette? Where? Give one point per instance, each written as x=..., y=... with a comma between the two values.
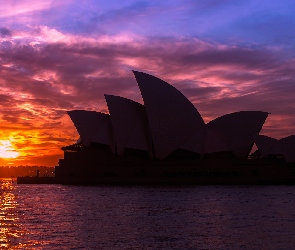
x=166, y=141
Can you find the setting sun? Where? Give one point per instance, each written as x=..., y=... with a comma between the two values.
x=7, y=150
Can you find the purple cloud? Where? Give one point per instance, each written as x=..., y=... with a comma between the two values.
x=46, y=74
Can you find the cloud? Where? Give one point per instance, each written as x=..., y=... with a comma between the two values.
x=5, y=32
x=46, y=72
x=27, y=10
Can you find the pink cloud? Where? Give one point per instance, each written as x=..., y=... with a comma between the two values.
x=46, y=72
x=23, y=10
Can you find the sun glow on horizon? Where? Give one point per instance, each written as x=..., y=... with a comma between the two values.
x=7, y=150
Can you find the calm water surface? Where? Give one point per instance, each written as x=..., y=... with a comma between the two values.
x=206, y=217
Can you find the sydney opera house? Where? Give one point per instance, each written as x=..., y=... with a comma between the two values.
x=166, y=141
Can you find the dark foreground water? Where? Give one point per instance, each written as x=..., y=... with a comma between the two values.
x=201, y=217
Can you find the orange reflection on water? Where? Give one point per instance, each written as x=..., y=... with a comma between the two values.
x=9, y=222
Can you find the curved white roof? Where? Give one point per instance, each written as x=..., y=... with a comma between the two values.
x=264, y=144
x=173, y=119
x=236, y=130
x=130, y=124
x=286, y=147
x=92, y=126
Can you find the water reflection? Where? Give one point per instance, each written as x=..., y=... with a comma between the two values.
x=209, y=217
x=9, y=222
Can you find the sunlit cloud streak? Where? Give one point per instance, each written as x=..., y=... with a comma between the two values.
x=82, y=70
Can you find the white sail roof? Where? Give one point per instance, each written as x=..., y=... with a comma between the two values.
x=286, y=147
x=236, y=130
x=264, y=144
x=173, y=119
x=92, y=126
x=129, y=122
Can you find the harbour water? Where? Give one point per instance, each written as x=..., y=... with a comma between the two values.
x=191, y=217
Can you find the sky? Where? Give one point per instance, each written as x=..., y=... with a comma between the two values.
x=223, y=55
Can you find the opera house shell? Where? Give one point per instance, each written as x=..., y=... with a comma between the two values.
x=166, y=140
